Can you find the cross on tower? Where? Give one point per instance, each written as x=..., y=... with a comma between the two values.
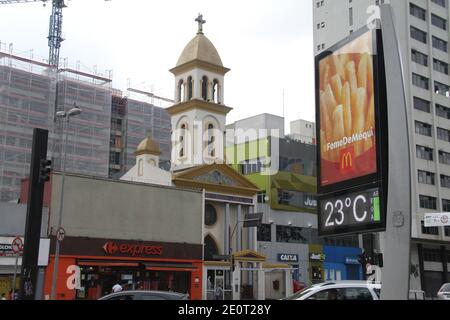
x=201, y=22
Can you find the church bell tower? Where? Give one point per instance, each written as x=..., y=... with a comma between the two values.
x=199, y=113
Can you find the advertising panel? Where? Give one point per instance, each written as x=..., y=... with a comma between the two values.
x=352, y=151
x=347, y=112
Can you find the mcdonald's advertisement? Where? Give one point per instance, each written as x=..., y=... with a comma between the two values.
x=346, y=103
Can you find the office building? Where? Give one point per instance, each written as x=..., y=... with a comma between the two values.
x=423, y=33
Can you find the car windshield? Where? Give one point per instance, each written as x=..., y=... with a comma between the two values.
x=445, y=288
x=301, y=293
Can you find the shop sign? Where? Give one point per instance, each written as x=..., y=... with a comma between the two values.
x=317, y=257
x=284, y=257
x=132, y=250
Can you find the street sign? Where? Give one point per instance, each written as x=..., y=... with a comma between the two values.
x=437, y=220
x=60, y=234
x=17, y=245
x=253, y=220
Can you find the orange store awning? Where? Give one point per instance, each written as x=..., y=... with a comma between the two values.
x=107, y=263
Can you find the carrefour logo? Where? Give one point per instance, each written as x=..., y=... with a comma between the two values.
x=132, y=249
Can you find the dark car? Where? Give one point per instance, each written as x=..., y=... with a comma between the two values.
x=145, y=295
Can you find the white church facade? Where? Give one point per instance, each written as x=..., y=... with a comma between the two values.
x=198, y=118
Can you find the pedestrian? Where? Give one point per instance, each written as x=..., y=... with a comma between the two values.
x=218, y=293
x=117, y=287
x=3, y=297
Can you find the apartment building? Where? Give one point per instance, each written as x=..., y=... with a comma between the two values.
x=423, y=33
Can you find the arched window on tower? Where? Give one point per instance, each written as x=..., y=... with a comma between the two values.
x=190, y=88
x=211, y=248
x=181, y=96
x=182, y=141
x=216, y=97
x=205, y=88
x=211, y=140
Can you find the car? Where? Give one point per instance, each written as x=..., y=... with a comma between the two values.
x=340, y=290
x=444, y=292
x=145, y=295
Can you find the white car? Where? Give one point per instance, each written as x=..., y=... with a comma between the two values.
x=444, y=292
x=340, y=290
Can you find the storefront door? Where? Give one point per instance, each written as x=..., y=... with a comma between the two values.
x=218, y=285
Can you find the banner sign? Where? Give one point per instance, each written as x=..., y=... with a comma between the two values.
x=437, y=220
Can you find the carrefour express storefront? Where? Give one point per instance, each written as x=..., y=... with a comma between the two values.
x=341, y=263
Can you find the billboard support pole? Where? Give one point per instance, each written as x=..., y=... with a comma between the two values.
x=396, y=241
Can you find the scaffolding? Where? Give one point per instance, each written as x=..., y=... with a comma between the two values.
x=27, y=94
x=30, y=94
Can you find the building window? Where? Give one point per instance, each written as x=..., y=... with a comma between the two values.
x=445, y=181
x=287, y=234
x=442, y=111
x=424, y=153
x=418, y=35
x=432, y=255
x=447, y=231
x=265, y=233
x=216, y=97
x=419, y=58
x=417, y=12
x=205, y=88
x=190, y=87
x=446, y=205
x=442, y=3
x=181, y=93
x=427, y=202
x=210, y=215
x=439, y=22
x=422, y=105
x=211, y=248
x=426, y=177
x=440, y=44
x=423, y=129
x=442, y=89
x=444, y=157
x=261, y=197
x=420, y=81
x=443, y=134
x=434, y=231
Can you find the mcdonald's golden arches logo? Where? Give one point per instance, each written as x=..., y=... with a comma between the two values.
x=347, y=160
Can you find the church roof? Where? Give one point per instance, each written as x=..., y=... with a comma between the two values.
x=200, y=48
x=148, y=146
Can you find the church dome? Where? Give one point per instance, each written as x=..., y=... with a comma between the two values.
x=148, y=146
x=200, y=48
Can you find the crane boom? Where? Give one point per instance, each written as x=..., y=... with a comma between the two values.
x=55, y=29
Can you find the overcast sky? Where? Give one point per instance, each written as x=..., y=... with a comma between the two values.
x=267, y=44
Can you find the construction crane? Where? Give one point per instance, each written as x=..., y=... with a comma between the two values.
x=55, y=31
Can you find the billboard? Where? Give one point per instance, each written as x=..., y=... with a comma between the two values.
x=351, y=114
x=347, y=112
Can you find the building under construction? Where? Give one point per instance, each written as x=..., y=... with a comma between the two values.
x=101, y=141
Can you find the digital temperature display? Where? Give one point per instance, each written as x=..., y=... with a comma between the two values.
x=351, y=212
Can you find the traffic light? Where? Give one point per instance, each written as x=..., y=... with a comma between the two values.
x=45, y=170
